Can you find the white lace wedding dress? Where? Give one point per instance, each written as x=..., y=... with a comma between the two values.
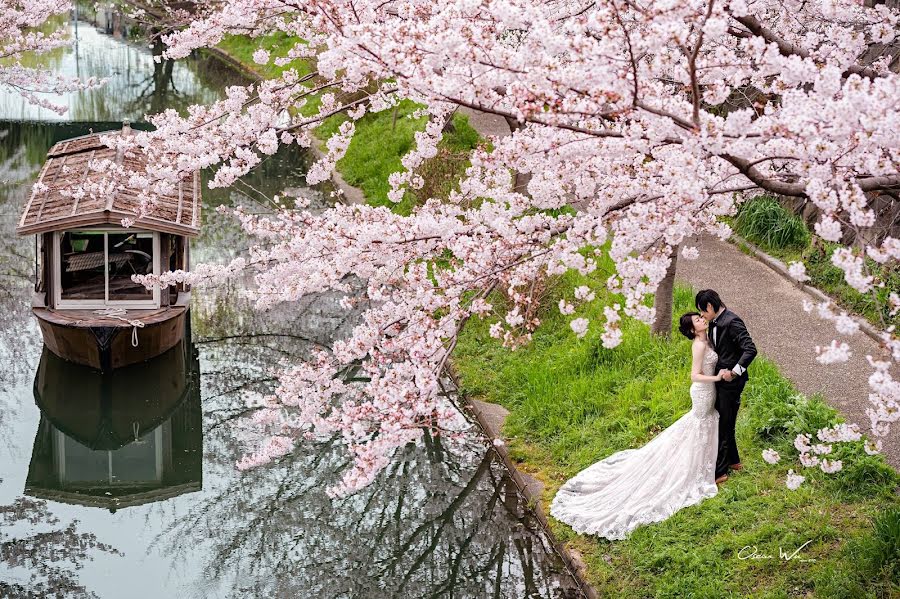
x=638, y=486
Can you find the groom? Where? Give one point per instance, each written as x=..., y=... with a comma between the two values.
x=732, y=342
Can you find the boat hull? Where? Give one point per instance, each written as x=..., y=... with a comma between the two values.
x=106, y=343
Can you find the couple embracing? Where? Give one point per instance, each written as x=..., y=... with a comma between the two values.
x=683, y=464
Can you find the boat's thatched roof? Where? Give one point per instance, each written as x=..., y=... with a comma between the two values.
x=67, y=165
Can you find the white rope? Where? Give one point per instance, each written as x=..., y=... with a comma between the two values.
x=120, y=314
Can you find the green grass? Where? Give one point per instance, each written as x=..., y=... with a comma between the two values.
x=241, y=48
x=767, y=223
x=381, y=140
x=573, y=402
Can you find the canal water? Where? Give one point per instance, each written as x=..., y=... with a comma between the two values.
x=124, y=485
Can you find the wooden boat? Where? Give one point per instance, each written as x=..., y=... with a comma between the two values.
x=121, y=438
x=89, y=309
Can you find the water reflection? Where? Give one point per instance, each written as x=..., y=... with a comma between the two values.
x=136, y=84
x=117, y=439
x=441, y=521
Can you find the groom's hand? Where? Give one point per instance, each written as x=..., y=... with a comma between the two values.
x=727, y=374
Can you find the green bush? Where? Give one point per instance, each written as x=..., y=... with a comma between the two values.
x=764, y=221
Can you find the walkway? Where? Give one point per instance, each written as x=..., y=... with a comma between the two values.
x=771, y=306
x=485, y=123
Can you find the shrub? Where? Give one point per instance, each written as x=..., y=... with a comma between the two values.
x=764, y=221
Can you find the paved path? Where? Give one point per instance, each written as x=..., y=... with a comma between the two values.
x=771, y=306
x=486, y=124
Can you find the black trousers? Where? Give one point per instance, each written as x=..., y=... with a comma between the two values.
x=728, y=402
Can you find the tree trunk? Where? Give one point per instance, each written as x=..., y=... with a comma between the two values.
x=520, y=180
x=662, y=303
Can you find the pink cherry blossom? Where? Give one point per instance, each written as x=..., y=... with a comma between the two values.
x=690, y=253
x=830, y=467
x=798, y=271
x=20, y=37
x=580, y=326
x=821, y=449
x=793, y=480
x=633, y=127
x=834, y=353
x=801, y=442
x=809, y=460
x=583, y=293
x=846, y=324
x=872, y=447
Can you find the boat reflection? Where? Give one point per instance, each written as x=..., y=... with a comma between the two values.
x=117, y=439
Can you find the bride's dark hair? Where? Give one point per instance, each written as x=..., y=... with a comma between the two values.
x=686, y=324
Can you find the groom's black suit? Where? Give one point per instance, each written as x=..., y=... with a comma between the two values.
x=732, y=342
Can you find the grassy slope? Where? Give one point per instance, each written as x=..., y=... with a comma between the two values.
x=572, y=402
x=381, y=141
x=242, y=48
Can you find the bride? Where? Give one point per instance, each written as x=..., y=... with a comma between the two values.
x=675, y=469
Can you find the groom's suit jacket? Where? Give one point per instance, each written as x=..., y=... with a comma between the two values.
x=732, y=342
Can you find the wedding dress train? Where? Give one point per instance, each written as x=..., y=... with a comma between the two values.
x=638, y=486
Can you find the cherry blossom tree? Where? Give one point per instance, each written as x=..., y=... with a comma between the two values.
x=640, y=123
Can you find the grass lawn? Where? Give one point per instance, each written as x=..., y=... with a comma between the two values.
x=573, y=402
x=383, y=138
x=241, y=48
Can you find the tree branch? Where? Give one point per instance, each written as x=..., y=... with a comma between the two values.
x=788, y=49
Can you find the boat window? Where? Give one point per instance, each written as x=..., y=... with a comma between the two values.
x=83, y=267
x=129, y=254
x=135, y=463
x=95, y=267
x=82, y=465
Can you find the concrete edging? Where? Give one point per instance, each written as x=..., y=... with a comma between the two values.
x=781, y=268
